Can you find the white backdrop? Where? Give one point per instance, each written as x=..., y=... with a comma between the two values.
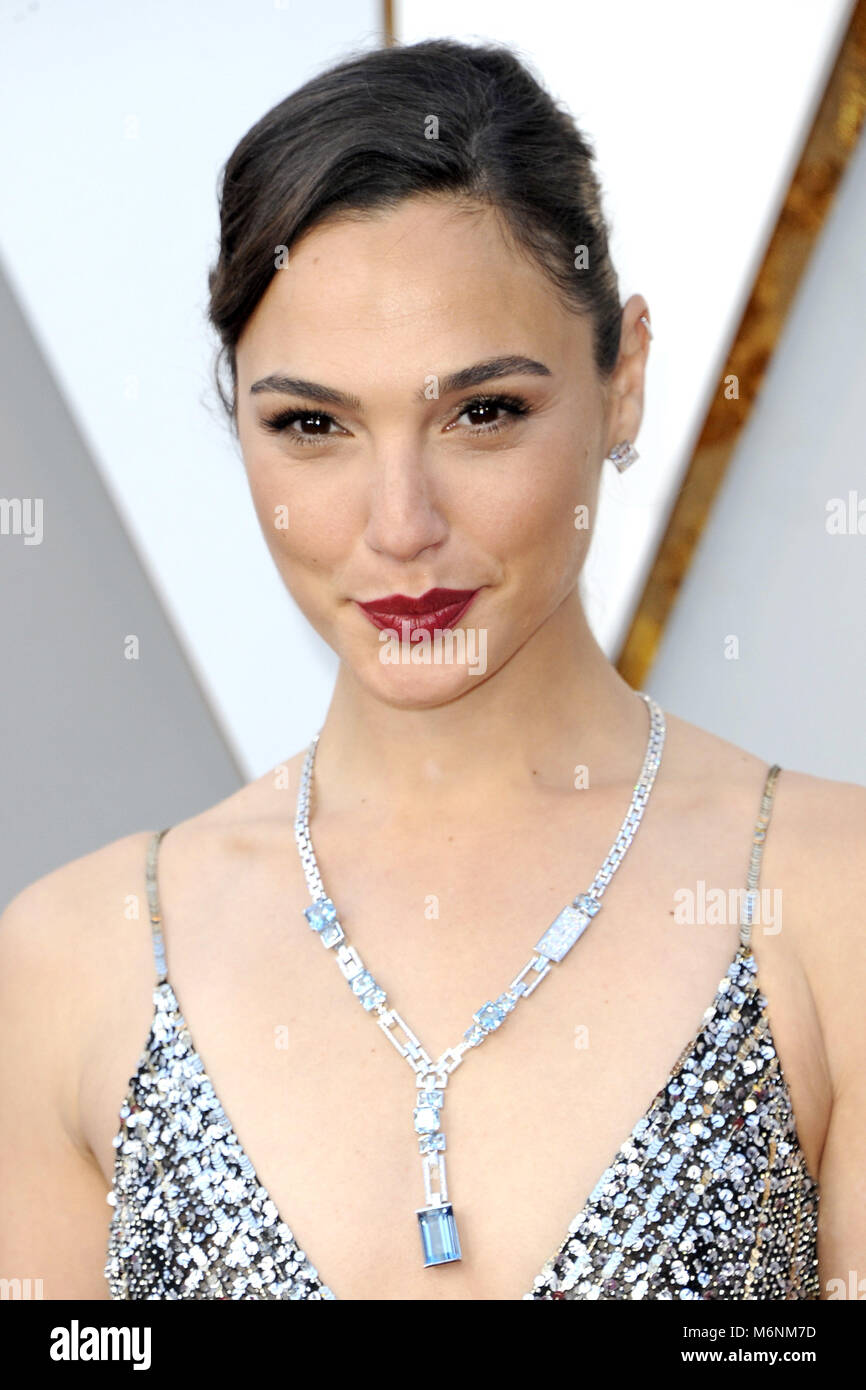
x=766, y=645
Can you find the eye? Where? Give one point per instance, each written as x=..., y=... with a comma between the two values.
x=513, y=406
x=282, y=424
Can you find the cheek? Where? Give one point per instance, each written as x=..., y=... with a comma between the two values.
x=529, y=516
x=307, y=520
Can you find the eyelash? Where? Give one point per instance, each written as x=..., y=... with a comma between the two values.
x=516, y=406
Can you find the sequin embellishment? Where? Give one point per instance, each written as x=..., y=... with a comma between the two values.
x=709, y=1197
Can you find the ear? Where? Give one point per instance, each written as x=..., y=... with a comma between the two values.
x=625, y=389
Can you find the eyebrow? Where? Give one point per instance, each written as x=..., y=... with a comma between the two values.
x=488, y=370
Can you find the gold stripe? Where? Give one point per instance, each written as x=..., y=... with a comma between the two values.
x=823, y=160
x=388, y=35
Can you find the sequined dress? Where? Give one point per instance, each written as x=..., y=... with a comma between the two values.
x=709, y=1196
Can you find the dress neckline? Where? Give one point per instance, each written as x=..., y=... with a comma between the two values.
x=743, y=959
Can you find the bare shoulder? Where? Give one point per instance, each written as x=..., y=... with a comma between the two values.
x=77, y=940
x=50, y=921
x=84, y=892
x=57, y=947
x=71, y=913
x=49, y=903
x=811, y=817
x=817, y=835
x=814, y=853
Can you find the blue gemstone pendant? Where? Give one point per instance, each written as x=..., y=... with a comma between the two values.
x=439, y=1239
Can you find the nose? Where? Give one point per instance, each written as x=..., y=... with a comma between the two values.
x=404, y=515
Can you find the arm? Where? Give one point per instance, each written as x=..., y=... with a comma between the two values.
x=842, y=1175
x=842, y=1226
x=53, y=1213
x=834, y=953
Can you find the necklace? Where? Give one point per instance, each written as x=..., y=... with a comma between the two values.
x=440, y=1242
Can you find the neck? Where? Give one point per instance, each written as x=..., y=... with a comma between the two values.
x=558, y=703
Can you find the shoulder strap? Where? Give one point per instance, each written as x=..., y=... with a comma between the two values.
x=153, y=904
x=750, y=896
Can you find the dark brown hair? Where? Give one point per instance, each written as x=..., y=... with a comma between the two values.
x=356, y=139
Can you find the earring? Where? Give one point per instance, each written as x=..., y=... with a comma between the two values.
x=623, y=455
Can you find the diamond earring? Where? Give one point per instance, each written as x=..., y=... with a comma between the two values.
x=623, y=455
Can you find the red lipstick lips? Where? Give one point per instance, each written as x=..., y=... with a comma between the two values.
x=438, y=608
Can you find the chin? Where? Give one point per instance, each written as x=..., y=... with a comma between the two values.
x=419, y=686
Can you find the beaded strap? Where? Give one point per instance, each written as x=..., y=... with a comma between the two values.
x=153, y=905
x=750, y=896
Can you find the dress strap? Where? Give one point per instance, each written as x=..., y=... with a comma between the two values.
x=750, y=897
x=153, y=904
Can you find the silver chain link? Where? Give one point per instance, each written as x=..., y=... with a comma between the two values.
x=432, y=1077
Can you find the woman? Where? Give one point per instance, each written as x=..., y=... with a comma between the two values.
x=428, y=363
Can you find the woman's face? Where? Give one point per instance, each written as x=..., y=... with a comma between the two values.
x=386, y=478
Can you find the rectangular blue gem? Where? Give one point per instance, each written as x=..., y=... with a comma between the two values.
x=439, y=1239
x=562, y=933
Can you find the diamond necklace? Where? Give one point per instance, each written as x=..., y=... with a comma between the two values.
x=439, y=1239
